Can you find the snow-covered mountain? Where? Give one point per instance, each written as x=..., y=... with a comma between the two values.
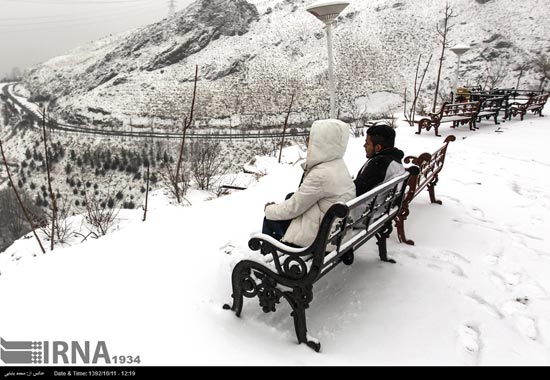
x=252, y=55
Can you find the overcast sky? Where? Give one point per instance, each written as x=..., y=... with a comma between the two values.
x=32, y=31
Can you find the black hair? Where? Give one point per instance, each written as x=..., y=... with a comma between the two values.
x=383, y=135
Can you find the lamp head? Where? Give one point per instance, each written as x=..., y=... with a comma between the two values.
x=460, y=49
x=327, y=11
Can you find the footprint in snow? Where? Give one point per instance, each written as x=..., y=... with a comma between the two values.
x=446, y=266
x=469, y=338
x=494, y=257
x=498, y=280
x=491, y=309
x=512, y=279
x=527, y=326
x=517, y=309
x=228, y=248
x=491, y=259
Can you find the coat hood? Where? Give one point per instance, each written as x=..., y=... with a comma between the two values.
x=328, y=140
x=394, y=153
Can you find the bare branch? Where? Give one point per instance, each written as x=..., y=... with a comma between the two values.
x=449, y=13
x=48, y=171
x=101, y=213
x=284, y=127
x=187, y=123
x=146, y=195
x=18, y=198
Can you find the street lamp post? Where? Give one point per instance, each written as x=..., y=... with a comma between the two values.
x=327, y=11
x=458, y=50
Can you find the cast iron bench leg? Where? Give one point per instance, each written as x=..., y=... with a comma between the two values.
x=381, y=238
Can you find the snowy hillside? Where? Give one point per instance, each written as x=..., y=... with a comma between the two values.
x=252, y=55
x=474, y=290
x=112, y=169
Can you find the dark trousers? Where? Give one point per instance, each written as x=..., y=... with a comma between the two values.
x=276, y=228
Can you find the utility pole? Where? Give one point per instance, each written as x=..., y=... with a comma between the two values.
x=171, y=8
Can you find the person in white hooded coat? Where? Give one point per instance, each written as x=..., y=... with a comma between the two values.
x=326, y=181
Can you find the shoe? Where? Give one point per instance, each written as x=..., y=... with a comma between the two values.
x=348, y=257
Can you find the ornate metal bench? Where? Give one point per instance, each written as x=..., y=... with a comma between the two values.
x=290, y=273
x=490, y=107
x=535, y=103
x=430, y=165
x=457, y=113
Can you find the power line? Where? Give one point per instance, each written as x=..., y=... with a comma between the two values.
x=70, y=15
x=72, y=19
x=73, y=2
x=64, y=27
x=75, y=22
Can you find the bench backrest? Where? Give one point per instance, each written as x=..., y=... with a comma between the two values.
x=458, y=109
x=493, y=103
x=353, y=223
x=345, y=225
x=534, y=101
x=538, y=100
x=516, y=94
x=430, y=165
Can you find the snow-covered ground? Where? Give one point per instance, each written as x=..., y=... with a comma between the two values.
x=474, y=290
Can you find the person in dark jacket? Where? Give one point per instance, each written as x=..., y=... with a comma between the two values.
x=384, y=160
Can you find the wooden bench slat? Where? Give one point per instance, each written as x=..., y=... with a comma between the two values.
x=451, y=112
x=535, y=103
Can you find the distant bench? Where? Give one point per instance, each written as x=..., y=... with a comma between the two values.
x=290, y=273
x=535, y=103
x=456, y=113
x=517, y=99
x=430, y=166
x=491, y=107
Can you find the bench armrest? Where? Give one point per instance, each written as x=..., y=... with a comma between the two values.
x=296, y=257
x=274, y=242
x=410, y=159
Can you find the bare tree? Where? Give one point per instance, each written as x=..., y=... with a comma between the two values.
x=21, y=204
x=445, y=43
x=146, y=195
x=417, y=91
x=60, y=225
x=389, y=117
x=175, y=184
x=206, y=162
x=101, y=212
x=445, y=93
x=284, y=127
x=521, y=68
x=495, y=71
x=186, y=124
x=267, y=146
x=52, y=195
x=541, y=64
x=358, y=114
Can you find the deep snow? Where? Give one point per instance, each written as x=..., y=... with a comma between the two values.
x=474, y=290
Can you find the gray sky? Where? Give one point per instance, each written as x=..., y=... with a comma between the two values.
x=32, y=31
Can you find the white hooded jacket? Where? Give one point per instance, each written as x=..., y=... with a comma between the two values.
x=326, y=181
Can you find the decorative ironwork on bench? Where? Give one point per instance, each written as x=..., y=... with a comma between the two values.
x=430, y=166
x=455, y=113
x=290, y=273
